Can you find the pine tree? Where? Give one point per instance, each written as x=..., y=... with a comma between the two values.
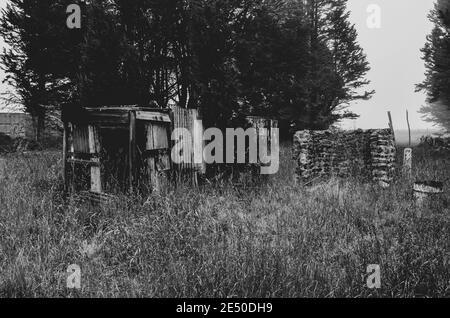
x=436, y=55
x=35, y=61
x=337, y=65
x=293, y=60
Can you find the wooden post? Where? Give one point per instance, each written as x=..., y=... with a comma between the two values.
x=151, y=162
x=71, y=147
x=198, y=146
x=391, y=125
x=65, y=157
x=407, y=162
x=132, y=149
x=94, y=149
x=409, y=127
x=408, y=153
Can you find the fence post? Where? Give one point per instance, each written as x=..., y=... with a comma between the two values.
x=391, y=125
x=94, y=149
x=407, y=156
x=65, y=157
x=407, y=162
x=132, y=148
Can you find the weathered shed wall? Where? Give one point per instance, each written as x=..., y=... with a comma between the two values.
x=190, y=119
x=323, y=153
x=116, y=149
x=17, y=125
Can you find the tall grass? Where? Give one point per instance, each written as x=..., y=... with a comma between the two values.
x=223, y=240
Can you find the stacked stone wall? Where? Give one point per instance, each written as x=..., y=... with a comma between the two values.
x=371, y=153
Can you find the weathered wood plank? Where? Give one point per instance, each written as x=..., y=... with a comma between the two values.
x=151, y=162
x=407, y=162
x=65, y=132
x=114, y=115
x=70, y=137
x=199, y=143
x=94, y=148
x=160, y=140
x=132, y=149
x=152, y=116
x=107, y=118
x=83, y=156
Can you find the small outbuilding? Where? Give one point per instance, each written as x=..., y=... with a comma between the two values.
x=110, y=150
x=127, y=149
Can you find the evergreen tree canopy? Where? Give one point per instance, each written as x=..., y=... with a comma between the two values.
x=436, y=55
x=293, y=60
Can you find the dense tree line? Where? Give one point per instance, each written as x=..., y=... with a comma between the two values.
x=294, y=60
x=436, y=55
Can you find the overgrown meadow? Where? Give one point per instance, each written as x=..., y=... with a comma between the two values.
x=273, y=239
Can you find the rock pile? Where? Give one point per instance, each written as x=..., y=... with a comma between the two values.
x=325, y=153
x=383, y=156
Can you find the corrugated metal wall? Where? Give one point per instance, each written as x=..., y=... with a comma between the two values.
x=190, y=119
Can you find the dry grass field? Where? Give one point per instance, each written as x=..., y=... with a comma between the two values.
x=222, y=240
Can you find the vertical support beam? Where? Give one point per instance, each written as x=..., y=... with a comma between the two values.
x=198, y=146
x=409, y=127
x=71, y=147
x=94, y=149
x=170, y=128
x=407, y=162
x=407, y=157
x=66, y=186
x=198, y=142
x=391, y=125
x=173, y=145
x=151, y=161
x=132, y=150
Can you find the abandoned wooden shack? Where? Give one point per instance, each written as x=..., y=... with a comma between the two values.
x=111, y=150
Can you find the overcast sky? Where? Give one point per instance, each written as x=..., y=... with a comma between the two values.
x=2, y=74
x=394, y=55
x=393, y=51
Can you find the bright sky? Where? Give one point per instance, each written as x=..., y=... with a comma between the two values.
x=2, y=74
x=393, y=51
